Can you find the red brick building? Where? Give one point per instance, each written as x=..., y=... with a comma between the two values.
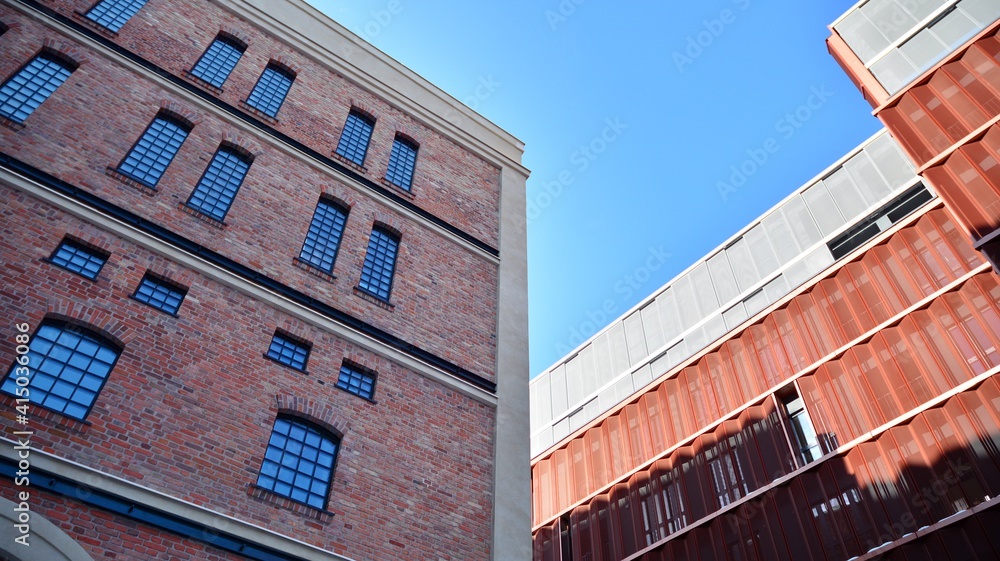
x=274, y=284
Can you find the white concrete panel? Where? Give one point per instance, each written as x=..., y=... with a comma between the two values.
x=723, y=278
x=636, y=338
x=761, y=251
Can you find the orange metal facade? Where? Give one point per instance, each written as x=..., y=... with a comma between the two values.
x=892, y=355
x=706, y=459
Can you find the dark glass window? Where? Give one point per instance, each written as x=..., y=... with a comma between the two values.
x=78, y=258
x=218, y=186
x=357, y=380
x=67, y=367
x=299, y=461
x=270, y=91
x=401, y=163
x=288, y=351
x=218, y=61
x=112, y=14
x=160, y=294
x=354, y=140
x=323, y=238
x=380, y=262
x=154, y=151
x=33, y=84
x=802, y=428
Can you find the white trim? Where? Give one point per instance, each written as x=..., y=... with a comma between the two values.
x=94, y=479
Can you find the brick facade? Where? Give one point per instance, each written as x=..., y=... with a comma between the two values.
x=189, y=406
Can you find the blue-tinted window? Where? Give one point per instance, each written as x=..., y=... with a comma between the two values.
x=154, y=151
x=288, y=351
x=217, y=188
x=356, y=380
x=33, y=84
x=112, y=14
x=218, y=61
x=323, y=238
x=67, y=367
x=78, y=258
x=299, y=461
x=401, y=163
x=380, y=261
x=270, y=91
x=354, y=140
x=160, y=294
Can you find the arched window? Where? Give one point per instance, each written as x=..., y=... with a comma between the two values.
x=23, y=92
x=67, y=367
x=299, y=461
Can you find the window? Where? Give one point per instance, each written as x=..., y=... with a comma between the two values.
x=270, y=91
x=299, y=461
x=112, y=14
x=288, y=351
x=357, y=380
x=218, y=60
x=79, y=258
x=218, y=185
x=354, y=140
x=323, y=238
x=154, y=151
x=401, y=162
x=68, y=366
x=160, y=294
x=380, y=261
x=802, y=428
x=33, y=84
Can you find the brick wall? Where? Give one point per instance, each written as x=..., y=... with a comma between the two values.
x=444, y=295
x=189, y=407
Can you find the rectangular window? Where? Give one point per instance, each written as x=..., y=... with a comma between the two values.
x=154, y=151
x=354, y=139
x=323, y=238
x=270, y=91
x=357, y=380
x=160, y=294
x=78, y=258
x=219, y=184
x=218, y=61
x=112, y=14
x=289, y=351
x=802, y=428
x=380, y=263
x=401, y=163
x=33, y=84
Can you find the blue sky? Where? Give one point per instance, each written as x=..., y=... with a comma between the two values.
x=635, y=116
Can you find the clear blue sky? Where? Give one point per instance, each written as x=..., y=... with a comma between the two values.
x=632, y=114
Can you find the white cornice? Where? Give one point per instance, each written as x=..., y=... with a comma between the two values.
x=328, y=43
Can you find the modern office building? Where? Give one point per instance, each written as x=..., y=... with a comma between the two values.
x=822, y=385
x=264, y=294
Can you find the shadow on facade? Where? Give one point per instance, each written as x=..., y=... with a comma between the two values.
x=761, y=488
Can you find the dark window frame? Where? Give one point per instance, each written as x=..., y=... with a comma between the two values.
x=372, y=261
x=405, y=169
x=358, y=125
x=307, y=426
x=264, y=92
x=361, y=371
x=213, y=77
x=230, y=152
x=68, y=66
x=160, y=281
x=79, y=246
x=290, y=341
x=82, y=332
x=116, y=7
x=321, y=245
x=179, y=123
